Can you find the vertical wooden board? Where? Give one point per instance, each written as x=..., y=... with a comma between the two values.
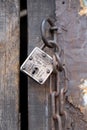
x=73, y=15
x=38, y=94
x=9, y=64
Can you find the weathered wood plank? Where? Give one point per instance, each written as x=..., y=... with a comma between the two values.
x=73, y=15
x=38, y=95
x=9, y=64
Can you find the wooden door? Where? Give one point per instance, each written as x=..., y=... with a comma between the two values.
x=72, y=15
x=37, y=95
x=9, y=65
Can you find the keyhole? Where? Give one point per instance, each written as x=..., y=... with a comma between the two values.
x=35, y=71
x=63, y=2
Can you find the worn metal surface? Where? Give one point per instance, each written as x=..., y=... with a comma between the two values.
x=38, y=65
x=72, y=15
x=57, y=95
x=52, y=28
x=9, y=64
x=57, y=91
x=38, y=95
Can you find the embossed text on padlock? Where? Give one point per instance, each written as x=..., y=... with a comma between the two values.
x=38, y=65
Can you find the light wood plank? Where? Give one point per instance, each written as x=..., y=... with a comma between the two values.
x=9, y=64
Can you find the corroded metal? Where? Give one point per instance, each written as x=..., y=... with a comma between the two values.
x=49, y=43
x=57, y=93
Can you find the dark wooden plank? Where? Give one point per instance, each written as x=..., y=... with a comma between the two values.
x=73, y=15
x=9, y=64
x=38, y=95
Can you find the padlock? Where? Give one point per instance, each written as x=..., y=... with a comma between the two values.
x=38, y=65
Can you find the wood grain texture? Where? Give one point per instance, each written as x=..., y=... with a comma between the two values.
x=74, y=42
x=9, y=64
x=38, y=94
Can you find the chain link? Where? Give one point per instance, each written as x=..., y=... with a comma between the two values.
x=57, y=91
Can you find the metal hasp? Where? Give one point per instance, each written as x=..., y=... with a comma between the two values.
x=38, y=65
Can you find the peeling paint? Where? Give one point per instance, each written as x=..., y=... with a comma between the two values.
x=83, y=4
x=83, y=87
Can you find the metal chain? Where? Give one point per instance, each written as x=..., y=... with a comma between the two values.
x=57, y=91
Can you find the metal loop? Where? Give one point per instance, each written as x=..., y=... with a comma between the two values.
x=62, y=101
x=52, y=28
x=66, y=80
x=59, y=65
x=62, y=111
x=59, y=122
x=54, y=64
x=56, y=116
x=53, y=102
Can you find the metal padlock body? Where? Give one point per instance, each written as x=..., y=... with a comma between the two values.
x=38, y=65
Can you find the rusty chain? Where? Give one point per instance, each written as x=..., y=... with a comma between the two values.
x=57, y=91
